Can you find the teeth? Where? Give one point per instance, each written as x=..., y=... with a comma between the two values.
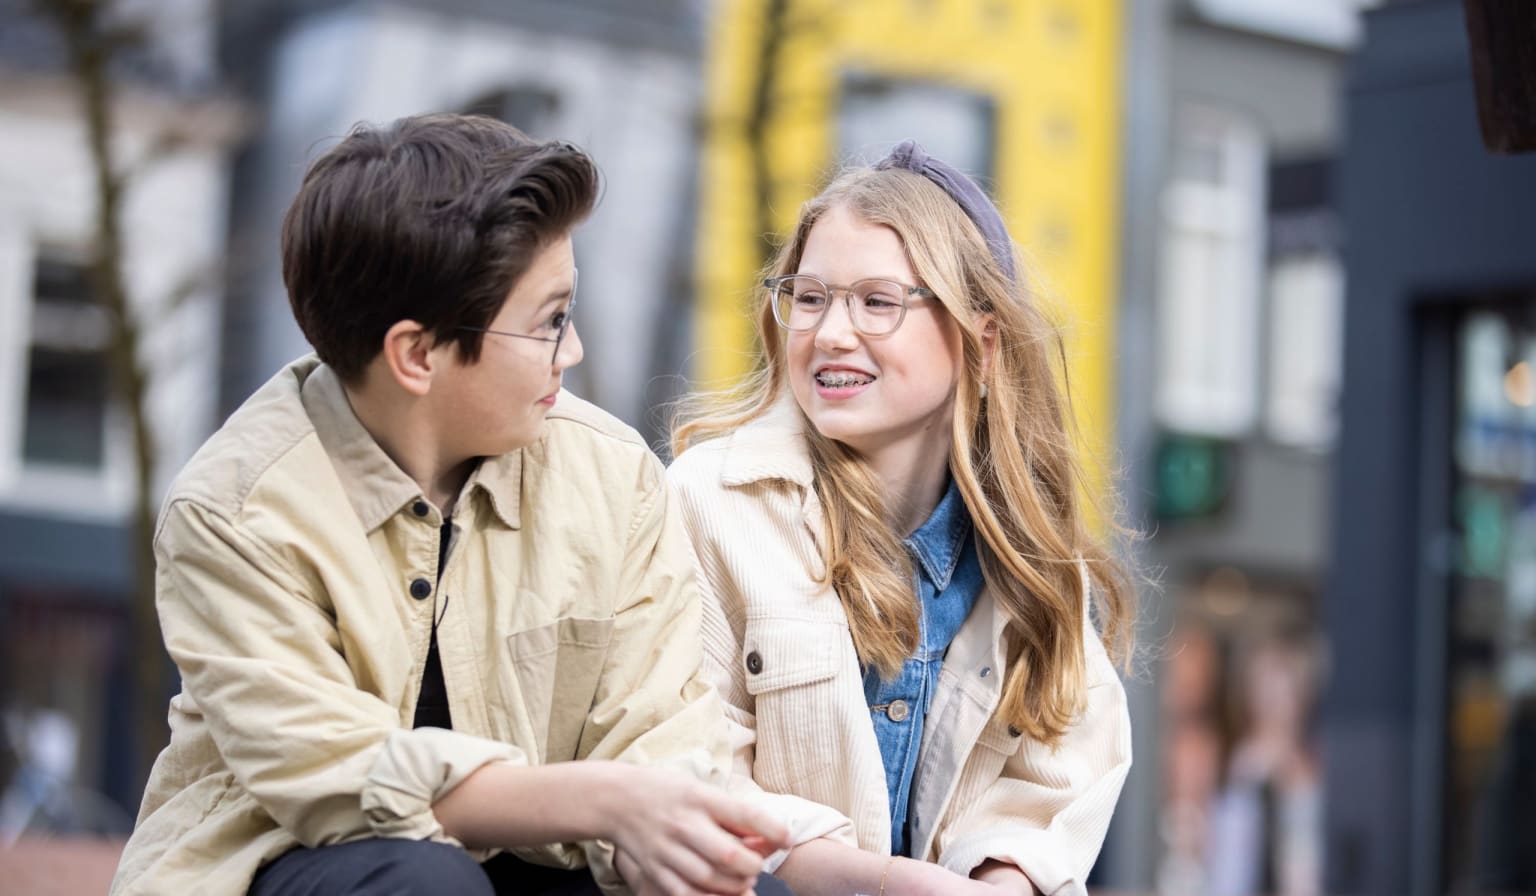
x=838, y=379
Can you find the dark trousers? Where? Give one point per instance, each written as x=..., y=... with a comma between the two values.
x=424, y=868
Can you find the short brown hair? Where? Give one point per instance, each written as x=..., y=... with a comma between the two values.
x=432, y=218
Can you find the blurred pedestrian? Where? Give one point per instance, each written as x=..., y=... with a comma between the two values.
x=1265, y=829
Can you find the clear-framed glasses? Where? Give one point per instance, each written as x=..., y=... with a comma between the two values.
x=560, y=331
x=876, y=307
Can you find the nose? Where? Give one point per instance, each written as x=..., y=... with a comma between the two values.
x=571, y=350
x=836, y=330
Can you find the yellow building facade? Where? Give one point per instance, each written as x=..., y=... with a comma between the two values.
x=777, y=76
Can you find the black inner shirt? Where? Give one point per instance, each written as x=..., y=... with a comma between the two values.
x=432, y=703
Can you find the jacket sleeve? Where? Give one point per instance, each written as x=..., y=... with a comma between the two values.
x=654, y=706
x=1049, y=810
x=724, y=620
x=263, y=663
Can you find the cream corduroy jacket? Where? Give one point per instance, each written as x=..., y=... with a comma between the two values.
x=293, y=563
x=777, y=646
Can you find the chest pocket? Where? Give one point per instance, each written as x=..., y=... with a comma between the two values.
x=790, y=668
x=549, y=680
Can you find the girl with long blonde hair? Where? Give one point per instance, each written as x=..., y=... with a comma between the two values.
x=895, y=557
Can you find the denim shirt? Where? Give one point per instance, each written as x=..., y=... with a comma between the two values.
x=948, y=581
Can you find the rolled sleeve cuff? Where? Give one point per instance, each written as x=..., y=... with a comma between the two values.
x=1039, y=854
x=600, y=863
x=805, y=819
x=418, y=767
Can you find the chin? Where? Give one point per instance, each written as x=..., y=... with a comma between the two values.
x=842, y=431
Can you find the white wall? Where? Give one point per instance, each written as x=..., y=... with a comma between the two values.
x=173, y=225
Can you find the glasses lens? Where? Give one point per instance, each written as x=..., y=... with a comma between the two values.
x=878, y=306
x=565, y=327
x=799, y=302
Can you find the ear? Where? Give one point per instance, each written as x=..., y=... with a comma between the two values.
x=988, y=322
x=408, y=355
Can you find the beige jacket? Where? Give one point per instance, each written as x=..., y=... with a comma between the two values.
x=778, y=648
x=287, y=552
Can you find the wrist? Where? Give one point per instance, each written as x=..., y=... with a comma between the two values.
x=910, y=877
x=600, y=792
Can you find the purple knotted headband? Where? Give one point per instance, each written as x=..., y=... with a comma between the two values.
x=909, y=156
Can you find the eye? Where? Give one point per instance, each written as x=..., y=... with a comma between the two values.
x=881, y=301
x=811, y=298
x=558, y=319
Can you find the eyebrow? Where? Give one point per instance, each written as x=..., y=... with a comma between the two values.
x=561, y=296
x=887, y=277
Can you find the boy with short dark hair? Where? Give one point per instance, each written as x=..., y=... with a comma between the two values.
x=411, y=577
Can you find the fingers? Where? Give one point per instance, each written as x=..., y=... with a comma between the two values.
x=747, y=821
x=732, y=867
x=757, y=844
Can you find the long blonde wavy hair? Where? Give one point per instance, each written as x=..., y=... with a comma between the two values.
x=1012, y=454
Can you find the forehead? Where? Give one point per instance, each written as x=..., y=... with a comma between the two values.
x=550, y=273
x=843, y=247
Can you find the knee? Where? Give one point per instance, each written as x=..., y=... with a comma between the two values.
x=422, y=867
x=373, y=868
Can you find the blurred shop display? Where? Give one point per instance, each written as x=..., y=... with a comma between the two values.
x=1490, y=783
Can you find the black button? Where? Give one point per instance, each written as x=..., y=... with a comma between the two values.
x=421, y=589
x=421, y=508
x=1014, y=732
x=754, y=663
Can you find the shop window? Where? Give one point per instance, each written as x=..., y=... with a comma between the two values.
x=957, y=125
x=1306, y=298
x=60, y=730
x=1212, y=254
x=67, y=385
x=1490, y=769
x=529, y=109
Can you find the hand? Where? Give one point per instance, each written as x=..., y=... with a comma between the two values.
x=679, y=837
x=1004, y=876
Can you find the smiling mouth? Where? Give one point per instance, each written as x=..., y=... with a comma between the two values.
x=842, y=379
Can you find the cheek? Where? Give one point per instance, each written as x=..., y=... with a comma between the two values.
x=797, y=350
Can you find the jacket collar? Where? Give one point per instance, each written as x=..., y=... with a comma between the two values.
x=374, y=484
x=938, y=541
x=770, y=447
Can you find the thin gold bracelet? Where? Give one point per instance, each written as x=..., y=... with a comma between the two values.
x=888, y=863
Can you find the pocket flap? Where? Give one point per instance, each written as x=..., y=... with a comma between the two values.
x=785, y=652
x=571, y=630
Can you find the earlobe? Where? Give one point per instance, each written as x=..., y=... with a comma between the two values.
x=408, y=354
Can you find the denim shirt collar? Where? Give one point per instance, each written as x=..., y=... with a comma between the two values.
x=936, y=543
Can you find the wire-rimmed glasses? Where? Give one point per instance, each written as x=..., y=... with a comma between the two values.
x=565, y=325
x=876, y=306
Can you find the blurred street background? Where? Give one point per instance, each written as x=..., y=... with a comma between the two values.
x=1298, y=287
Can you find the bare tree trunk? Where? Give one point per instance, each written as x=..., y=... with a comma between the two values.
x=91, y=44
x=760, y=115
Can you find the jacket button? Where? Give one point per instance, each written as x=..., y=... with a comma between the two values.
x=754, y=662
x=898, y=711
x=1014, y=732
x=421, y=589
x=420, y=508
x=985, y=671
